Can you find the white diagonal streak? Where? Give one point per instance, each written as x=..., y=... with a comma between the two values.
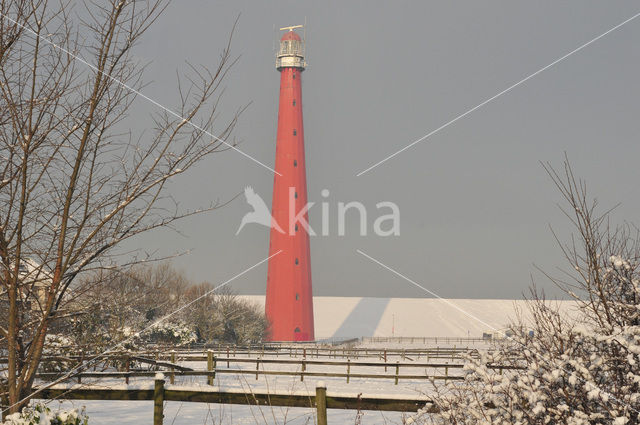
x=137, y=92
x=414, y=283
x=480, y=105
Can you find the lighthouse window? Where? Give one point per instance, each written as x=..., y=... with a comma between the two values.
x=297, y=330
x=295, y=132
x=295, y=163
x=294, y=76
x=296, y=261
x=297, y=297
x=294, y=102
x=296, y=227
x=295, y=195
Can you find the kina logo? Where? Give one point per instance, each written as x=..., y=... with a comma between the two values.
x=260, y=213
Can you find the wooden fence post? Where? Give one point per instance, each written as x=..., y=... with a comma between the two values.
x=397, y=371
x=172, y=376
x=304, y=367
x=158, y=399
x=210, y=366
x=257, y=368
x=215, y=366
x=348, y=369
x=127, y=367
x=385, y=359
x=321, y=403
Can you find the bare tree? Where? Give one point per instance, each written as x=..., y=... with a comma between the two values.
x=74, y=182
x=110, y=305
x=224, y=316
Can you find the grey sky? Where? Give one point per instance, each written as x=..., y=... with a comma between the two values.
x=475, y=202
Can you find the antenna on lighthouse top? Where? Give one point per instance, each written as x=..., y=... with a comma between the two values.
x=291, y=52
x=291, y=28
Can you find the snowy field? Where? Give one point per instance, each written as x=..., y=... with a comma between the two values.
x=346, y=317
x=141, y=412
x=335, y=317
x=138, y=412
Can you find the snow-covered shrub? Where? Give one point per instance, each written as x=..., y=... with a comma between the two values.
x=580, y=371
x=172, y=334
x=58, y=346
x=55, y=344
x=39, y=414
x=577, y=376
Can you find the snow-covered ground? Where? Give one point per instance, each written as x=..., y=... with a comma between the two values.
x=138, y=412
x=177, y=413
x=135, y=412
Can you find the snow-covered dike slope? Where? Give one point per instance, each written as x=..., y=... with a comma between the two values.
x=412, y=317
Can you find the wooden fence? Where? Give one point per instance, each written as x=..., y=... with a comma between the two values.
x=321, y=400
x=424, y=339
x=293, y=351
x=346, y=353
x=348, y=375
x=440, y=370
x=333, y=352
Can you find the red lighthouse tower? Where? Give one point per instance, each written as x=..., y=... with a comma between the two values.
x=289, y=303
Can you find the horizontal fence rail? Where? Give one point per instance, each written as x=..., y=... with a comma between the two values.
x=213, y=373
x=427, y=339
x=197, y=355
x=337, y=401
